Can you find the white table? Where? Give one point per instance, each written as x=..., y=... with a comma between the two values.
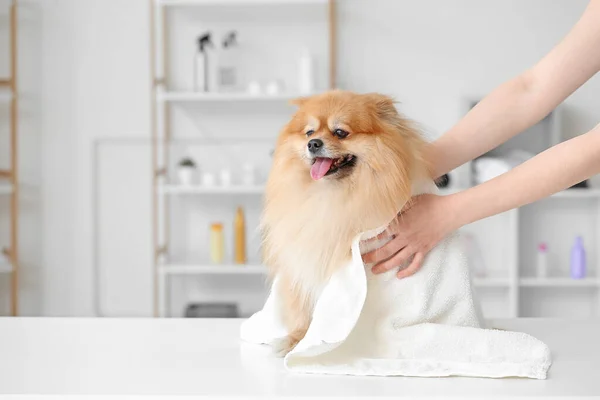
x=205, y=358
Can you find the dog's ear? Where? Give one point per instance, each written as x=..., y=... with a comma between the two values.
x=384, y=106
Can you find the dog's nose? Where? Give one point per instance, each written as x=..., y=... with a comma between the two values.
x=315, y=145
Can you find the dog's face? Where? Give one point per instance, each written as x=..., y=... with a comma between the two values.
x=339, y=134
x=328, y=133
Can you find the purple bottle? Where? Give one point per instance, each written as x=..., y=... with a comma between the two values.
x=578, y=259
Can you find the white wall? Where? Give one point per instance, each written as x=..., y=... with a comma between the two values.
x=430, y=54
x=95, y=82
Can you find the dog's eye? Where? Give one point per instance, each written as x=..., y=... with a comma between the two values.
x=340, y=133
x=308, y=133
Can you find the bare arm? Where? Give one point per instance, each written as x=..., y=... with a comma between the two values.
x=549, y=172
x=508, y=110
x=523, y=101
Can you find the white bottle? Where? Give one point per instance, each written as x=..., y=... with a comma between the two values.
x=542, y=260
x=201, y=65
x=306, y=74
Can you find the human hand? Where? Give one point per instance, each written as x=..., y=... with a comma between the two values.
x=420, y=225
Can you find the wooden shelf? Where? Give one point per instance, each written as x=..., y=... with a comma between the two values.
x=4, y=82
x=225, y=3
x=200, y=97
x=207, y=269
x=559, y=282
x=189, y=189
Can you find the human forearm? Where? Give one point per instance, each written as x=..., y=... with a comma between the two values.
x=549, y=172
x=498, y=117
x=521, y=102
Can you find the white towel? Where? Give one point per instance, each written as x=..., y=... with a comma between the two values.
x=424, y=325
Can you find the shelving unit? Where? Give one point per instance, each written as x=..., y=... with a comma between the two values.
x=510, y=240
x=197, y=269
x=216, y=190
x=515, y=275
x=9, y=178
x=559, y=282
x=223, y=97
x=167, y=97
x=224, y=3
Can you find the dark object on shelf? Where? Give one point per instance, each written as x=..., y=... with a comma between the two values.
x=212, y=310
x=187, y=162
x=581, y=185
x=443, y=181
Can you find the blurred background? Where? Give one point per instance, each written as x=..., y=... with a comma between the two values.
x=136, y=137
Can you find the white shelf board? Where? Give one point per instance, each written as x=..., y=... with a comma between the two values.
x=222, y=269
x=578, y=193
x=6, y=188
x=197, y=189
x=559, y=282
x=187, y=3
x=491, y=282
x=200, y=97
x=569, y=193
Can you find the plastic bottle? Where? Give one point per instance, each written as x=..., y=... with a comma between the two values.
x=239, y=229
x=228, y=79
x=578, y=259
x=217, y=244
x=542, y=260
x=306, y=74
x=201, y=64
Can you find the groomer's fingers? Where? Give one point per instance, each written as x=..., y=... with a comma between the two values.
x=394, y=262
x=390, y=231
x=384, y=252
x=414, y=266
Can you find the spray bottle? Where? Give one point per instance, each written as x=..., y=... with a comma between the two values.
x=201, y=64
x=228, y=64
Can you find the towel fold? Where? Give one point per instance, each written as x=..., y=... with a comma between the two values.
x=425, y=325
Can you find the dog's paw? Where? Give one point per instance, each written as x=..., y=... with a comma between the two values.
x=284, y=345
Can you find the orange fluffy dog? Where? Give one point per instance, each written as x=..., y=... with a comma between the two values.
x=343, y=165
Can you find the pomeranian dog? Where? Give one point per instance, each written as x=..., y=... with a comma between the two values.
x=344, y=164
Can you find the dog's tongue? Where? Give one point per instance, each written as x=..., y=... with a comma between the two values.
x=320, y=168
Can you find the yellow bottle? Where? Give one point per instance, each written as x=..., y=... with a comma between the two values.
x=217, y=244
x=239, y=233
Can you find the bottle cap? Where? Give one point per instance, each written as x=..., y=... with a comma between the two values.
x=203, y=41
x=543, y=247
x=216, y=226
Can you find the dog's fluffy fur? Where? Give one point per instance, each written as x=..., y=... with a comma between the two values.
x=308, y=224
